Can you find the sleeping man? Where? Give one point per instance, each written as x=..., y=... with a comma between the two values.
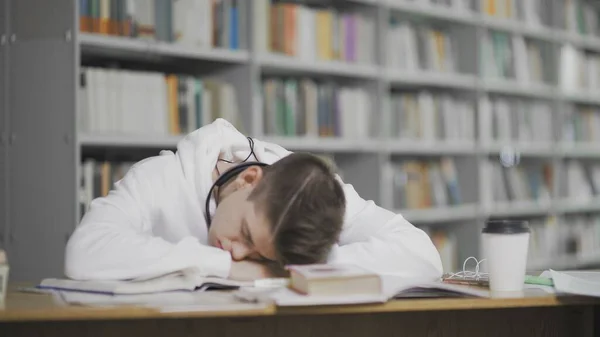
x=231, y=206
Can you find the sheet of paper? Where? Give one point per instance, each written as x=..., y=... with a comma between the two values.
x=547, y=289
x=577, y=282
x=394, y=287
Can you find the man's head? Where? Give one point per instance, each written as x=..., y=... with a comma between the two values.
x=290, y=212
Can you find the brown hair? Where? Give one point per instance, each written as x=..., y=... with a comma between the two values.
x=305, y=205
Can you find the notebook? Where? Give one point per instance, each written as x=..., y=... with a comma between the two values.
x=181, y=281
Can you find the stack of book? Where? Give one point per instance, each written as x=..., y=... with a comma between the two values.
x=201, y=23
x=138, y=102
x=421, y=184
x=305, y=107
x=431, y=116
x=314, y=33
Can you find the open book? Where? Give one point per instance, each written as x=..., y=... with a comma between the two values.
x=585, y=283
x=180, y=281
x=392, y=287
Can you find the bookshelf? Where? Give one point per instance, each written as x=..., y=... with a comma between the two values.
x=40, y=72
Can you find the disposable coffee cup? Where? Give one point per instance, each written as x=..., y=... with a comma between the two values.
x=505, y=245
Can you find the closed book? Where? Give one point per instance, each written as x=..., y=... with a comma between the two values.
x=334, y=279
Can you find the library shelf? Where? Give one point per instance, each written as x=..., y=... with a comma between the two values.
x=530, y=149
x=519, y=208
x=580, y=150
x=422, y=147
x=518, y=27
x=365, y=2
x=446, y=214
x=516, y=88
x=437, y=12
x=324, y=144
x=570, y=206
x=274, y=64
x=577, y=40
x=564, y=262
x=146, y=50
x=580, y=95
x=398, y=78
x=126, y=140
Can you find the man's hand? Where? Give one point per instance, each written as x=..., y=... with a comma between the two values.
x=248, y=270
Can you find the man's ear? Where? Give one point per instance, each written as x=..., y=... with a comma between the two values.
x=249, y=177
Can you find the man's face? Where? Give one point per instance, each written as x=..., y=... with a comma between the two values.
x=237, y=225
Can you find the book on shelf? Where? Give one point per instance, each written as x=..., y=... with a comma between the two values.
x=425, y=184
x=527, y=181
x=446, y=243
x=307, y=107
x=582, y=124
x=514, y=57
x=200, y=23
x=413, y=46
x=98, y=178
x=515, y=120
x=579, y=70
x=333, y=280
x=572, y=236
x=577, y=16
x=314, y=33
x=530, y=12
x=431, y=116
x=113, y=101
x=582, y=180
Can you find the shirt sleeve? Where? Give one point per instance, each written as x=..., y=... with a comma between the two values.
x=115, y=241
x=384, y=242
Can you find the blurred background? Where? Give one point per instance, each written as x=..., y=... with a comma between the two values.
x=450, y=112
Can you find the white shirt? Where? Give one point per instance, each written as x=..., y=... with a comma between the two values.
x=152, y=222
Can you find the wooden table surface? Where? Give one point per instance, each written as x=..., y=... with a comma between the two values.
x=20, y=306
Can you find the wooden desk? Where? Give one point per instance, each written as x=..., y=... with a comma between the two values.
x=537, y=314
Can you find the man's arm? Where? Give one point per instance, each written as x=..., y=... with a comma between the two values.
x=115, y=238
x=384, y=242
